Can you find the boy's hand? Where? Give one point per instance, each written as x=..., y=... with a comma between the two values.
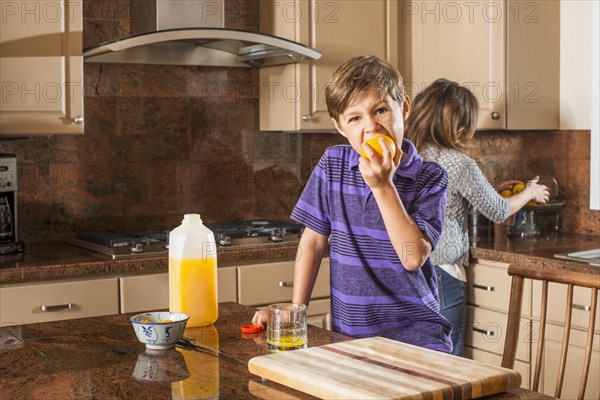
x=378, y=171
x=260, y=319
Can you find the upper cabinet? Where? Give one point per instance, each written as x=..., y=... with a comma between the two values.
x=41, y=67
x=293, y=96
x=506, y=51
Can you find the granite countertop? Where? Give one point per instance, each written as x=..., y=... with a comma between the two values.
x=64, y=261
x=101, y=358
x=539, y=251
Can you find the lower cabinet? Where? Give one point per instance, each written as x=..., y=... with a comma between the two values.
x=58, y=300
x=263, y=284
x=488, y=297
x=254, y=285
x=151, y=291
x=488, y=293
x=574, y=367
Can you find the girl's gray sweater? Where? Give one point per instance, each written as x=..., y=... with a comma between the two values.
x=466, y=184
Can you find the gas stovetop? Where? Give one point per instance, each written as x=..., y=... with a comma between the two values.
x=155, y=241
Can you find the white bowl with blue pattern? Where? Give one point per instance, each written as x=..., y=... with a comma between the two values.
x=159, y=330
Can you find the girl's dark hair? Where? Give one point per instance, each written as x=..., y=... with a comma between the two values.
x=444, y=114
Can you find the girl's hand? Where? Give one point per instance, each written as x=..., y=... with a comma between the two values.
x=378, y=171
x=539, y=193
x=260, y=319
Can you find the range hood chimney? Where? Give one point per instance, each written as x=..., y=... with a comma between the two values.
x=192, y=32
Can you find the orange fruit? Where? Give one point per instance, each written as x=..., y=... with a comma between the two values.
x=506, y=193
x=374, y=143
x=518, y=188
x=531, y=203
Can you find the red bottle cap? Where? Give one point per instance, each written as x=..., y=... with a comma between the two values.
x=250, y=329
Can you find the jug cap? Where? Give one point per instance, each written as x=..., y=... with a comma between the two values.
x=192, y=218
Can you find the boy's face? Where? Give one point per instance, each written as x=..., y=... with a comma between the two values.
x=370, y=115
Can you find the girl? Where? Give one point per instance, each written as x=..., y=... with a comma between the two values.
x=442, y=123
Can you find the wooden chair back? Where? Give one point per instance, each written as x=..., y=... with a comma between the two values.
x=572, y=279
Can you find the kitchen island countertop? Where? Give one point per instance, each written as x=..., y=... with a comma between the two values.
x=100, y=358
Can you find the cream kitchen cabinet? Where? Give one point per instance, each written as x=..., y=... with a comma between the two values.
x=292, y=97
x=41, y=67
x=505, y=51
x=575, y=362
x=557, y=298
x=58, y=300
x=151, y=291
x=488, y=292
x=263, y=284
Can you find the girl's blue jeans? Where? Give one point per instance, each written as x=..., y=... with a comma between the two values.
x=453, y=302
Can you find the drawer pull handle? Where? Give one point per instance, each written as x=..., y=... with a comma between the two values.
x=483, y=287
x=485, y=332
x=57, y=307
x=580, y=307
x=286, y=284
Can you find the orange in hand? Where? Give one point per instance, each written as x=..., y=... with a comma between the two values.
x=374, y=143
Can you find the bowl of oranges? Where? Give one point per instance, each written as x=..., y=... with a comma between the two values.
x=159, y=330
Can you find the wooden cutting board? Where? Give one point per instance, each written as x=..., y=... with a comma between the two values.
x=379, y=368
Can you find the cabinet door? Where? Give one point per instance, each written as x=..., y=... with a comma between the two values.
x=575, y=361
x=462, y=41
x=42, y=67
x=262, y=284
x=533, y=64
x=292, y=96
x=144, y=292
x=43, y=302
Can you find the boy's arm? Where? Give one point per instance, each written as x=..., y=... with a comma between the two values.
x=308, y=260
x=411, y=245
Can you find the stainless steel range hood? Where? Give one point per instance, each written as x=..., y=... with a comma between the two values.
x=192, y=32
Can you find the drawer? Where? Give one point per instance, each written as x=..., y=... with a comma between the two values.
x=488, y=286
x=24, y=303
x=144, y=292
x=557, y=300
x=262, y=284
x=486, y=330
x=495, y=359
x=151, y=291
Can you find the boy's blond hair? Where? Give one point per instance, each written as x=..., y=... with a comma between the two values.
x=358, y=76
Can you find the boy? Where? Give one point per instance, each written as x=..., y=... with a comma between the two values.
x=382, y=215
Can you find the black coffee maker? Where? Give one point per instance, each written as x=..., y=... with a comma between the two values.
x=9, y=243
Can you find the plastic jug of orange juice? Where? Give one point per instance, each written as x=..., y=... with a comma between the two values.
x=193, y=271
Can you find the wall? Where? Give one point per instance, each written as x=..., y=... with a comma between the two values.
x=162, y=141
x=564, y=155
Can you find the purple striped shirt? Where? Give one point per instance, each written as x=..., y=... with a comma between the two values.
x=371, y=292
